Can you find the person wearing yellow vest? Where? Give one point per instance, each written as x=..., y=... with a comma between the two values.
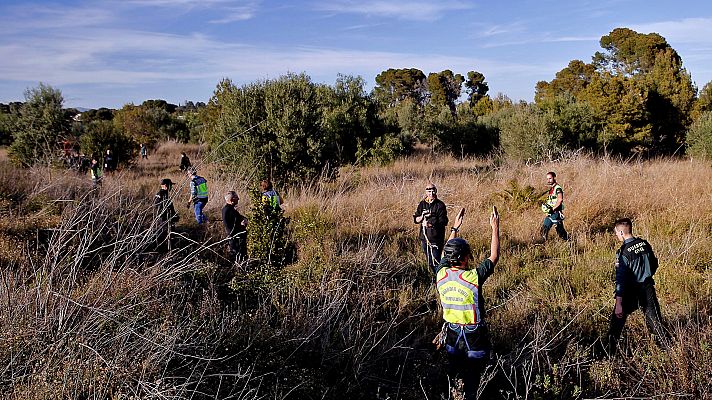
x=198, y=195
x=553, y=208
x=95, y=172
x=464, y=334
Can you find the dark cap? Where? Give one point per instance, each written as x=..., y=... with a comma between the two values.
x=166, y=182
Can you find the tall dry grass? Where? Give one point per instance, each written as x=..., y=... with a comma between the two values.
x=90, y=311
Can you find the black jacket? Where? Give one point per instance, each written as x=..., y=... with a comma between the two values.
x=184, y=163
x=635, y=263
x=163, y=206
x=232, y=222
x=437, y=218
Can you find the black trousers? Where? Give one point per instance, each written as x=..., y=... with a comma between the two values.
x=237, y=248
x=643, y=296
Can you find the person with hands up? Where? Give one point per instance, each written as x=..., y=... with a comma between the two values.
x=464, y=335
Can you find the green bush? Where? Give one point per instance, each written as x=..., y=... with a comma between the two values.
x=41, y=124
x=102, y=135
x=528, y=133
x=290, y=128
x=385, y=149
x=267, y=237
x=577, y=120
x=463, y=134
x=699, y=136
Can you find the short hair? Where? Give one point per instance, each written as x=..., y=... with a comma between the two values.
x=229, y=195
x=626, y=225
x=552, y=173
x=265, y=184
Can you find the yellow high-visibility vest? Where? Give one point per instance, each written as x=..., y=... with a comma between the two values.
x=552, y=198
x=459, y=295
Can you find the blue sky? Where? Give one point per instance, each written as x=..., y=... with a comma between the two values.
x=108, y=53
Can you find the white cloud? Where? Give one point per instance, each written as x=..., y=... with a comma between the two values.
x=183, y=3
x=688, y=30
x=29, y=19
x=422, y=10
x=530, y=39
x=93, y=51
x=112, y=56
x=230, y=10
x=235, y=14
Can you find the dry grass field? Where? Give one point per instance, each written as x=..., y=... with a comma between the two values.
x=88, y=309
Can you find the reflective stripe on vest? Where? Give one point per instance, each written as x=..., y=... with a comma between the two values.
x=459, y=295
x=201, y=187
x=552, y=198
x=96, y=175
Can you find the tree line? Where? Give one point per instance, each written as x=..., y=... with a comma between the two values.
x=633, y=98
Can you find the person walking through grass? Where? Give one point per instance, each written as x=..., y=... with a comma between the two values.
x=166, y=215
x=198, y=195
x=235, y=225
x=95, y=172
x=635, y=288
x=553, y=207
x=464, y=334
x=144, y=151
x=109, y=162
x=184, y=162
x=431, y=215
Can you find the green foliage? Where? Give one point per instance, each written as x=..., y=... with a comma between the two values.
x=528, y=133
x=699, y=136
x=396, y=85
x=290, y=128
x=518, y=197
x=637, y=90
x=704, y=101
x=267, y=238
x=386, y=149
x=40, y=127
x=463, y=134
x=629, y=52
x=580, y=126
x=102, y=135
x=8, y=125
x=100, y=114
x=476, y=86
x=151, y=122
x=444, y=88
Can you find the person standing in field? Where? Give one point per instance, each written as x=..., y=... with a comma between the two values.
x=635, y=288
x=198, y=195
x=553, y=207
x=270, y=199
x=464, y=334
x=95, y=172
x=235, y=225
x=165, y=213
x=144, y=151
x=184, y=162
x=109, y=162
x=431, y=215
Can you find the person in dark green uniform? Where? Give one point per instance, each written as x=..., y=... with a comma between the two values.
x=635, y=288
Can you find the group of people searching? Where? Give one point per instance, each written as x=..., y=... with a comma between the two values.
x=465, y=335
x=234, y=223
